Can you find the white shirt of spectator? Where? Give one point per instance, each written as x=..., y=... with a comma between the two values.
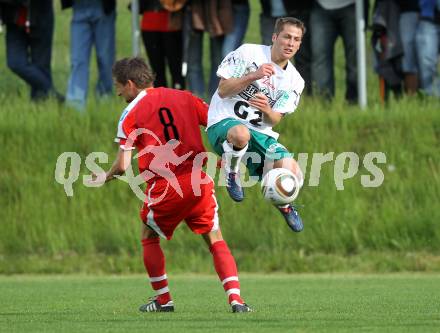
x=283, y=89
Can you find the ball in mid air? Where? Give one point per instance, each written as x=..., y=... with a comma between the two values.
x=280, y=186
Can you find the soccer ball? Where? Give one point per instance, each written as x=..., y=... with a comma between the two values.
x=280, y=186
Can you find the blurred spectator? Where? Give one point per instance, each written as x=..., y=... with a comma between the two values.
x=162, y=37
x=387, y=47
x=29, y=36
x=234, y=39
x=215, y=17
x=428, y=42
x=328, y=20
x=274, y=9
x=270, y=11
x=303, y=58
x=408, y=22
x=93, y=23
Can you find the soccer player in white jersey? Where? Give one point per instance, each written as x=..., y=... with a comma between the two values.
x=258, y=87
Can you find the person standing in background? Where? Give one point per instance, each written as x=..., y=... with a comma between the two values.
x=29, y=37
x=328, y=20
x=427, y=43
x=271, y=10
x=162, y=37
x=408, y=23
x=303, y=58
x=274, y=9
x=93, y=23
x=234, y=39
x=214, y=17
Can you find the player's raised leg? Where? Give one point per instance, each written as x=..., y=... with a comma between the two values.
x=234, y=148
x=226, y=269
x=154, y=262
x=288, y=211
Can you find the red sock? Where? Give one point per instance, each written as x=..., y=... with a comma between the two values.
x=226, y=269
x=154, y=262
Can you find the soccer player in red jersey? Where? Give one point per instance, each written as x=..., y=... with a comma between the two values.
x=163, y=125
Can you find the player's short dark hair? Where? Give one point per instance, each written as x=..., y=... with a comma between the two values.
x=134, y=69
x=282, y=21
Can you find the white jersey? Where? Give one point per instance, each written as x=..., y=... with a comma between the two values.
x=283, y=89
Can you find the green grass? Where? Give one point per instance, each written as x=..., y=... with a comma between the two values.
x=390, y=228
x=399, y=217
x=282, y=303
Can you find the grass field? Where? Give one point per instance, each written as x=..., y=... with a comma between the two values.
x=282, y=303
x=398, y=220
x=390, y=228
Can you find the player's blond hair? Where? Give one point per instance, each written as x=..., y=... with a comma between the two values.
x=282, y=21
x=134, y=69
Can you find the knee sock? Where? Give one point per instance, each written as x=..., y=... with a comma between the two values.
x=226, y=269
x=232, y=157
x=154, y=262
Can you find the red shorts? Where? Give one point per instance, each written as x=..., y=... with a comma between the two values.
x=165, y=208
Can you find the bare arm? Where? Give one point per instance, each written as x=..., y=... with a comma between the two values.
x=121, y=163
x=261, y=102
x=231, y=87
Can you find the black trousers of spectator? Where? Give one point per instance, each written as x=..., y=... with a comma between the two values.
x=28, y=55
x=165, y=48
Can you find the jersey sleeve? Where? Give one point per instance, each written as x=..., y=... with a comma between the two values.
x=234, y=64
x=126, y=126
x=201, y=108
x=288, y=98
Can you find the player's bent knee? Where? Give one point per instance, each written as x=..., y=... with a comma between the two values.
x=239, y=136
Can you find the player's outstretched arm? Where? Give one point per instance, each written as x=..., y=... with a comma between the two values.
x=232, y=86
x=121, y=163
x=119, y=166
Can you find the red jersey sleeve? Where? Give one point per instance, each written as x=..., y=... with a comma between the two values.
x=127, y=126
x=201, y=108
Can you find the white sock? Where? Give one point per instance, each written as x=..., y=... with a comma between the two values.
x=283, y=206
x=232, y=157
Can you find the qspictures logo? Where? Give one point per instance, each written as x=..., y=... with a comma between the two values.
x=163, y=159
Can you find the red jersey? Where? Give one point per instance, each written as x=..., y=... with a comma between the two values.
x=156, y=21
x=163, y=124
